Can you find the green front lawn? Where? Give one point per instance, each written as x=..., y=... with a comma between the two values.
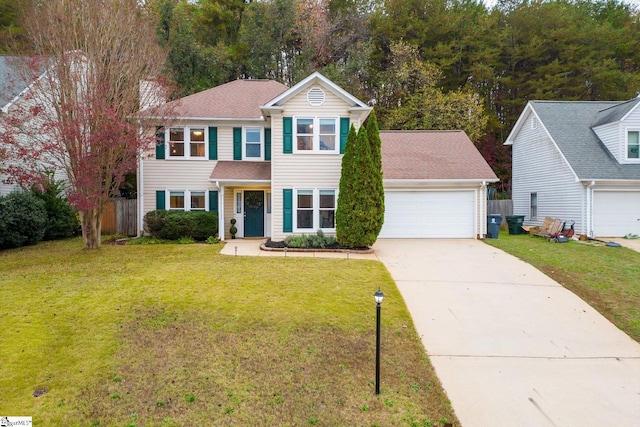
x=607, y=278
x=176, y=335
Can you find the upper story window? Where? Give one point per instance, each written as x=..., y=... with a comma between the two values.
x=253, y=143
x=633, y=144
x=186, y=143
x=316, y=134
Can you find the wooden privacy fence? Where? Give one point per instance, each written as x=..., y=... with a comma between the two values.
x=502, y=207
x=120, y=217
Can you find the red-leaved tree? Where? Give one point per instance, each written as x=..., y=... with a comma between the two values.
x=79, y=113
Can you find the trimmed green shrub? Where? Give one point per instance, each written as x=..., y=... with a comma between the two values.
x=175, y=225
x=318, y=240
x=62, y=220
x=23, y=219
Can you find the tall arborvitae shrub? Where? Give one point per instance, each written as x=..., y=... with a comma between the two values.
x=356, y=214
x=376, y=154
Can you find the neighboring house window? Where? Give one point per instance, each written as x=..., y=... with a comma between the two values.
x=316, y=134
x=181, y=138
x=315, y=209
x=533, y=208
x=633, y=144
x=534, y=123
x=253, y=143
x=187, y=200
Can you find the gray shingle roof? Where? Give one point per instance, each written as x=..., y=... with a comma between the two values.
x=569, y=124
x=10, y=84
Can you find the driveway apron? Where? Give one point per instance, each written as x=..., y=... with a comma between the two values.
x=511, y=346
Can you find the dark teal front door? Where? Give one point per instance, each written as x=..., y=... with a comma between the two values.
x=254, y=214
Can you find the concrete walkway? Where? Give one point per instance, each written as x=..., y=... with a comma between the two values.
x=511, y=346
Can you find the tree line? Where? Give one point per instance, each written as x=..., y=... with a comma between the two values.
x=430, y=64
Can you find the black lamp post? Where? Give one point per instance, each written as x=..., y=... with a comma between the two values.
x=378, y=296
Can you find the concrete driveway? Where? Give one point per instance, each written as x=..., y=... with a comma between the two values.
x=511, y=346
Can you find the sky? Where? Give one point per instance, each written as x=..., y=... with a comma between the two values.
x=635, y=3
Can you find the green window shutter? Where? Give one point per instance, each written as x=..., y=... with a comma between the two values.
x=267, y=144
x=344, y=132
x=287, y=220
x=213, y=143
x=213, y=201
x=161, y=200
x=160, y=142
x=237, y=143
x=287, y=132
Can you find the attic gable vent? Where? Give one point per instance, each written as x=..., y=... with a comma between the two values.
x=315, y=97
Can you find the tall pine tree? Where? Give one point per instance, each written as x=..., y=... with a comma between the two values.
x=375, y=144
x=356, y=214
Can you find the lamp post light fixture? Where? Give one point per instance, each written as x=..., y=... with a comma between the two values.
x=378, y=296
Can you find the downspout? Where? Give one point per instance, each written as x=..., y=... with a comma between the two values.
x=220, y=211
x=481, y=230
x=589, y=227
x=140, y=196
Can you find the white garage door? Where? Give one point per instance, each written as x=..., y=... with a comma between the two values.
x=616, y=213
x=429, y=214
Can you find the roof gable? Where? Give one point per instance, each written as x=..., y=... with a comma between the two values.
x=425, y=155
x=615, y=113
x=315, y=79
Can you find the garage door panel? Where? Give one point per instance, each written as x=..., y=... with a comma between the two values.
x=616, y=213
x=429, y=214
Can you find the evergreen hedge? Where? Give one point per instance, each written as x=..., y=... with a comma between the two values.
x=23, y=218
x=174, y=225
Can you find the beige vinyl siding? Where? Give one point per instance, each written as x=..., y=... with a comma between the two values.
x=539, y=167
x=174, y=175
x=302, y=170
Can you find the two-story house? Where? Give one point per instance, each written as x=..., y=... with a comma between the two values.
x=270, y=156
x=578, y=161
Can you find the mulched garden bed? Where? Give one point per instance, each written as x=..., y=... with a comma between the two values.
x=271, y=245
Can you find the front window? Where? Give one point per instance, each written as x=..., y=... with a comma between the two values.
x=176, y=142
x=328, y=134
x=197, y=201
x=187, y=143
x=196, y=140
x=533, y=208
x=176, y=200
x=304, y=132
x=633, y=144
x=315, y=209
x=327, y=208
x=253, y=143
x=187, y=200
x=305, y=209
x=315, y=134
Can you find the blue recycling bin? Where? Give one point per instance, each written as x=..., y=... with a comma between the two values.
x=493, y=225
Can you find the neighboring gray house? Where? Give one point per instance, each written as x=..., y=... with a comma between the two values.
x=17, y=93
x=578, y=161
